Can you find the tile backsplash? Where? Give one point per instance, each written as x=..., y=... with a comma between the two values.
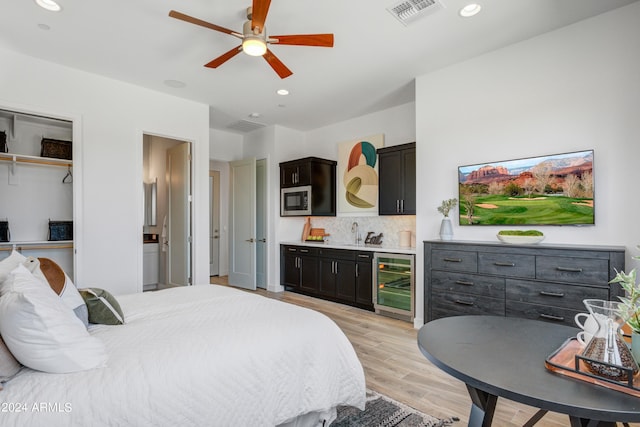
x=389, y=226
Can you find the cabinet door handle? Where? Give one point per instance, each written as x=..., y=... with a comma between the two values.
x=336, y=266
x=401, y=205
x=397, y=206
x=452, y=260
x=504, y=264
x=459, y=301
x=464, y=282
x=357, y=270
x=569, y=269
x=552, y=317
x=552, y=294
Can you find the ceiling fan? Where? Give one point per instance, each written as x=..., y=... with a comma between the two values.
x=254, y=38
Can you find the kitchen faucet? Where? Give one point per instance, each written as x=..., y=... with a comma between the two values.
x=354, y=229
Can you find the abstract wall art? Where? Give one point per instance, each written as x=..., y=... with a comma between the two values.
x=358, y=176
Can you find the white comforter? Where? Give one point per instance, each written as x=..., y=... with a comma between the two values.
x=198, y=356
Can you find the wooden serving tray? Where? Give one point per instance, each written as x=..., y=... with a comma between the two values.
x=563, y=362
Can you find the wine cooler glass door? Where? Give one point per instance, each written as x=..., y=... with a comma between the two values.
x=394, y=285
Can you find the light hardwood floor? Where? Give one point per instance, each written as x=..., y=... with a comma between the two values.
x=394, y=365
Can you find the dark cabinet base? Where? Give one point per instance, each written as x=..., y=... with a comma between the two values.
x=544, y=282
x=337, y=275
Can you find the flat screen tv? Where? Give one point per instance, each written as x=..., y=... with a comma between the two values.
x=546, y=190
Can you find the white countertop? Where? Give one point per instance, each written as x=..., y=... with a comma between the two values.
x=353, y=247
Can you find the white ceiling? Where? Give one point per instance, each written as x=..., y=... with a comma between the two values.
x=371, y=66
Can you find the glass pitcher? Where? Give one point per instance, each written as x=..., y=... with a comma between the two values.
x=607, y=344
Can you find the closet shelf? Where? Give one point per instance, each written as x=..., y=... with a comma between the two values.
x=35, y=245
x=23, y=158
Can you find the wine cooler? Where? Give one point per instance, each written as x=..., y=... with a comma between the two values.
x=394, y=285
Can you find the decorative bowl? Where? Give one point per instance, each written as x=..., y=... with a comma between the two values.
x=519, y=240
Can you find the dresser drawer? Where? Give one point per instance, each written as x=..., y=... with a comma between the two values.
x=553, y=294
x=454, y=261
x=574, y=270
x=445, y=281
x=453, y=303
x=562, y=316
x=507, y=265
x=300, y=250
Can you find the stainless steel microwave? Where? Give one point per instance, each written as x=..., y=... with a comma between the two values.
x=295, y=201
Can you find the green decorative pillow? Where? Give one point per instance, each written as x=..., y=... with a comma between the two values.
x=103, y=307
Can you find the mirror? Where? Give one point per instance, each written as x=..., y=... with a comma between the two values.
x=150, y=201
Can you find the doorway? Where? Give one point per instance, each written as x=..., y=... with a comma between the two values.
x=248, y=213
x=169, y=161
x=214, y=227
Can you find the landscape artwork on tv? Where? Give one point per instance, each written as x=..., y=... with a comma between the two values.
x=545, y=190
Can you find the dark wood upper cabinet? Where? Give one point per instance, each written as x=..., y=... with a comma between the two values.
x=397, y=180
x=320, y=174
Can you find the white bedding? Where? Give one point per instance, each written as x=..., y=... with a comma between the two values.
x=203, y=355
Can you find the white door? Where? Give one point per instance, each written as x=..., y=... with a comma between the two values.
x=261, y=223
x=214, y=229
x=242, y=224
x=179, y=215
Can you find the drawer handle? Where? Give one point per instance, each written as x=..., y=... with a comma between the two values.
x=453, y=260
x=464, y=302
x=571, y=270
x=304, y=250
x=363, y=256
x=551, y=317
x=504, y=264
x=291, y=249
x=464, y=282
x=552, y=294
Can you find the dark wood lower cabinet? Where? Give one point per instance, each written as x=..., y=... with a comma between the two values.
x=339, y=275
x=364, y=280
x=544, y=282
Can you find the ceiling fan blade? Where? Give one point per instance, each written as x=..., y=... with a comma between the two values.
x=277, y=65
x=259, y=14
x=192, y=20
x=322, y=40
x=224, y=58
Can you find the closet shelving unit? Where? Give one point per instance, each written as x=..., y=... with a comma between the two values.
x=14, y=158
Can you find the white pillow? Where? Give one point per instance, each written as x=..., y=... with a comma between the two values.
x=69, y=295
x=41, y=331
x=8, y=264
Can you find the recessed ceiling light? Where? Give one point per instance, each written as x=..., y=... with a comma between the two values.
x=175, y=83
x=282, y=92
x=281, y=105
x=254, y=115
x=44, y=27
x=470, y=10
x=49, y=5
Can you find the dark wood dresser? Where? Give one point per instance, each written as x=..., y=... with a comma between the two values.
x=542, y=281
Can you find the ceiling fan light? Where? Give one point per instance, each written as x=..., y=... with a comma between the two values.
x=254, y=46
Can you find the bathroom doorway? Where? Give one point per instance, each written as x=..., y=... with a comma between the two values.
x=168, y=243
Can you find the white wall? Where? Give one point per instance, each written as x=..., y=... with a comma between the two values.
x=110, y=118
x=398, y=124
x=225, y=146
x=572, y=89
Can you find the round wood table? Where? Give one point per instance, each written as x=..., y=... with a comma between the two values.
x=505, y=357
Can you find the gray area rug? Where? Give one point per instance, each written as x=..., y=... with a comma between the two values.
x=382, y=411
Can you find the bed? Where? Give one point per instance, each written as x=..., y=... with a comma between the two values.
x=203, y=355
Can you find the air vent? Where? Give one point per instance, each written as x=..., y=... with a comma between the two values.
x=245, y=126
x=410, y=10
